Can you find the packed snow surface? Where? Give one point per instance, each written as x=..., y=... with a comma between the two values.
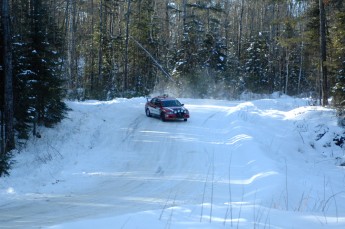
x=268, y=163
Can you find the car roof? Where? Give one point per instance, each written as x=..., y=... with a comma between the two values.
x=165, y=98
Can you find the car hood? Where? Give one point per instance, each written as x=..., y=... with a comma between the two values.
x=175, y=108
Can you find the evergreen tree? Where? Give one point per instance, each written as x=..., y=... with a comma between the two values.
x=214, y=56
x=201, y=59
x=290, y=41
x=144, y=29
x=192, y=40
x=312, y=53
x=6, y=71
x=39, y=91
x=256, y=64
x=45, y=59
x=338, y=33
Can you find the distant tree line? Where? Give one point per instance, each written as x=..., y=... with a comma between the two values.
x=102, y=49
x=209, y=48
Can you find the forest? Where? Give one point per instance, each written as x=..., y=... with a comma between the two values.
x=103, y=49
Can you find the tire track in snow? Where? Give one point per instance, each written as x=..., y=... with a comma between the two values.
x=132, y=128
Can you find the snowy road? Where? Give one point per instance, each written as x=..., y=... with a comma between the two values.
x=109, y=160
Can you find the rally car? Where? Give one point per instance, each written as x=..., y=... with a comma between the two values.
x=166, y=108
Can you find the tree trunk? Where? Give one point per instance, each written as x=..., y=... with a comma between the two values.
x=323, y=67
x=92, y=50
x=2, y=134
x=71, y=44
x=300, y=69
x=8, y=89
x=239, y=36
x=125, y=80
x=100, y=48
x=287, y=71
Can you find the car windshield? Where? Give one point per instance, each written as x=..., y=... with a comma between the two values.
x=171, y=103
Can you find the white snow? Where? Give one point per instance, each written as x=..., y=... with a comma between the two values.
x=268, y=163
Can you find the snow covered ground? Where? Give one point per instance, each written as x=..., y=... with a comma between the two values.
x=269, y=163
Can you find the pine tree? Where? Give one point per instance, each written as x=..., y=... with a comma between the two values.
x=39, y=91
x=256, y=64
x=43, y=52
x=311, y=36
x=338, y=33
x=143, y=29
x=8, y=140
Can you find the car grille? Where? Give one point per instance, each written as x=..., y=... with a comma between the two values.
x=179, y=115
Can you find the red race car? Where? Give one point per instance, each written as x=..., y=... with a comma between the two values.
x=166, y=108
